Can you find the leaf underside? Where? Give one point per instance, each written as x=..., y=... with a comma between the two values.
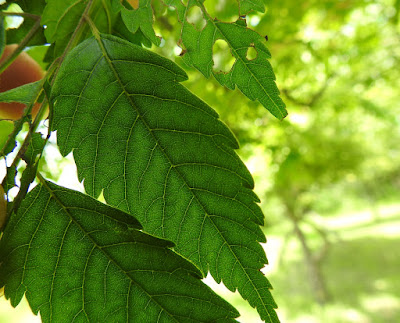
x=160, y=153
x=80, y=260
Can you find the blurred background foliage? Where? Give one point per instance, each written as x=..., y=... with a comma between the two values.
x=329, y=174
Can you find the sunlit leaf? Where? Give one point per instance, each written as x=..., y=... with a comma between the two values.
x=246, y=6
x=141, y=19
x=77, y=259
x=254, y=77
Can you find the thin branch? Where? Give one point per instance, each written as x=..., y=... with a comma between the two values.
x=20, y=47
x=314, y=98
x=73, y=38
x=30, y=172
x=21, y=14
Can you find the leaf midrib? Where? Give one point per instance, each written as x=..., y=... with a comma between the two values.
x=101, y=248
x=109, y=61
x=238, y=56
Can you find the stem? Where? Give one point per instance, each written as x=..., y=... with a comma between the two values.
x=18, y=123
x=21, y=14
x=30, y=172
x=73, y=38
x=40, y=178
x=20, y=47
x=93, y=27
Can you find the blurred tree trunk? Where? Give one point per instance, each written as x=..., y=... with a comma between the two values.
x=313, y=264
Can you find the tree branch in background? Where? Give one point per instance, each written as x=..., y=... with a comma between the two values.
x=313, y=100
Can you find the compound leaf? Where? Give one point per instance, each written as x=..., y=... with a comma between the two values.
x=254, y=77
x=161, y=153
x=80, y=260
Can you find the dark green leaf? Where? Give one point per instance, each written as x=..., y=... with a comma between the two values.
x=35, y=148
x=30, y=6
x=161, y=153
x=9, y=145
x=2, y=36
x=23, y=94
x=120, y=30
x=9, y=181
x=80, y=260
x=6, y=128
x=62, y=17
x=16, y=35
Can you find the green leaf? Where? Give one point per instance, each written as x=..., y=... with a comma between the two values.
x=9, y=145
x=6, y=128
x=246, y=6
x=254, y=77
x=22, y=94
x=141, y=19
x=62, y=17
x=80, y=260
x=35, y=148
x=31, y=6
x=15, y=36
x=161, y=153
x=9, y=180
x=137, y=38
x=2, y=36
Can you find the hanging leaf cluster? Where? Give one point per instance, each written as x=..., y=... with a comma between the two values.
x=179, y=201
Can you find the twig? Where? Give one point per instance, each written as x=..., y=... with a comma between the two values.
x=310, y=102
x=72, y=39
x=21, y=14
x=20, y=47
